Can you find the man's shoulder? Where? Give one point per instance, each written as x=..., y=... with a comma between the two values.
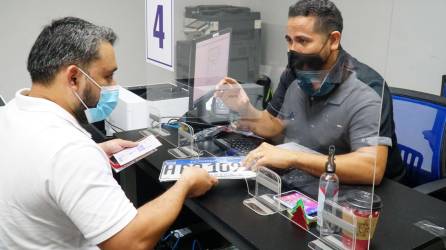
x=287, y=77
x=367, y=75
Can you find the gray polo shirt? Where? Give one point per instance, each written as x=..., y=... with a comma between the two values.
x=350, y=117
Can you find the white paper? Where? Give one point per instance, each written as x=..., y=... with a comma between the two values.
x=145, y=146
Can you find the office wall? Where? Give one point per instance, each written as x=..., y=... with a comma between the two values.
x=402, y=39
x=21, y=21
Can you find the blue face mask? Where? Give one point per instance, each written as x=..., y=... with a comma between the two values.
x=305, y=80
x=108, y=100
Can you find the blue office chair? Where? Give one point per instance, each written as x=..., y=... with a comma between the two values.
x=413, y=161
x=420, y=123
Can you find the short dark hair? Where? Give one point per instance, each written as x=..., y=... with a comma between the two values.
x=66, y=41
x=329, y=18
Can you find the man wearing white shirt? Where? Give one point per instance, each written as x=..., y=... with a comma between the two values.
x=56, y=189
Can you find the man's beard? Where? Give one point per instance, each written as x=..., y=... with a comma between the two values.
x=79, y=112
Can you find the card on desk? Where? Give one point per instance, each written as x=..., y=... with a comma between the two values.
x=220, y=167
x=129, y=156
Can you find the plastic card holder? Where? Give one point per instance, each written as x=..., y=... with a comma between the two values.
x=186, y=143
x=268, y=184
x=433, y=229
x=155, y=123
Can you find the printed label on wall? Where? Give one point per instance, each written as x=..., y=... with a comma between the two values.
x=159, y=33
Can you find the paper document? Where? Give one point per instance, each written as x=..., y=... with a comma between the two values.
x=220, y=167
x=130, y=155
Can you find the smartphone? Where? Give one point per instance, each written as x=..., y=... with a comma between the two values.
x=290, y=198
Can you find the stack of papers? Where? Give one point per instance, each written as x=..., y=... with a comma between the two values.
x=220, y=167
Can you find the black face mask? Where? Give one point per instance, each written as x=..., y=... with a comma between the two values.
x=299, y=61
x=308, y=62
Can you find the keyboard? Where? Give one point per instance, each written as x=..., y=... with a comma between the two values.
x=237, y=144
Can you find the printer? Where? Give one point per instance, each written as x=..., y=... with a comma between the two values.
x=131, y=113
x=138, y=106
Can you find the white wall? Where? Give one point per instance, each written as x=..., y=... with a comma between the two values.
x=417, y=56
x=22, y=20
x=402, y=39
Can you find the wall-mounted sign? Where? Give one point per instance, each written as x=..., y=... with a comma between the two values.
x=159, y=33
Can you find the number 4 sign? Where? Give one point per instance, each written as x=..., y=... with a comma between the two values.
x=159, y=33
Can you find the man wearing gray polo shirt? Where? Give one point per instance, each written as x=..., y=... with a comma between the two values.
x=324, y=97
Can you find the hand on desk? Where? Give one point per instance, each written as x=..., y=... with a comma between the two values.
x=114, y=146
x=198, y=180
x=267, y=155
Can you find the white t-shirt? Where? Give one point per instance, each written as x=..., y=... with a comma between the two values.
x=56, y=186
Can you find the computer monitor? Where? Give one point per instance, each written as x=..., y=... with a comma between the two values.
x=210, y=65
x=2, y=101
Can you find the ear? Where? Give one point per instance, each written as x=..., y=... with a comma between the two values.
x=335, y=40
x=72, y=75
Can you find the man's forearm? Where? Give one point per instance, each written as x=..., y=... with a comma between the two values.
x=151, y=221
x=157, y=216
x=262, y=123
x=352, y=168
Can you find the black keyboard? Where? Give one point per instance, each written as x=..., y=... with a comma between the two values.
x=237, y=143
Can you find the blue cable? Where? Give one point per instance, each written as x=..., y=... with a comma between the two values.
x=176, y=244
x=196, y=243
x=170, y=125
x=167, y=237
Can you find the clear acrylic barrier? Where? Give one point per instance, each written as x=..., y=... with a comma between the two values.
x=349, y=117
x=165, y=101
x=155, y=122
x=343, y=225
x=267, y=186
x=186, y=143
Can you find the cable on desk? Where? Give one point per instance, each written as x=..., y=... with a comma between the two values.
x=167, y=237
x=114, y=126
x=247, y=187
x=196, y=243
x=176, y=242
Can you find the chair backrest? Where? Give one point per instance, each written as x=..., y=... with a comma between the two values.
x=413, y=161
x=420, y=121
